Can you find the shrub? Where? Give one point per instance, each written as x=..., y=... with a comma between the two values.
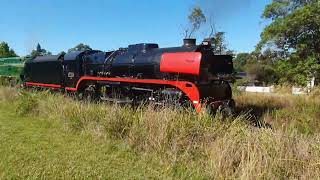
x=8, y=81
x=27, y=103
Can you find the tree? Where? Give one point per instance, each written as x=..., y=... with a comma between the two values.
x=219, y=43
x=241, y=60
x=62, y=53
x=260, y=72
x=295, y=27
x=258, y=67
x=217, y=39
x=5, y=51
x=39, y=52
x=38, y=49
x=296, y=71
x=282, y=8
x=80, y=47
x=292, y=38
x=196, y=19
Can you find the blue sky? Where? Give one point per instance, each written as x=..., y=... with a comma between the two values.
x=109, y=24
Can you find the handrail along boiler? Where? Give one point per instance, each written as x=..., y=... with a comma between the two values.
x=187, y=75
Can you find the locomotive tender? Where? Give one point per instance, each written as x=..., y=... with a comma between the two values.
x=190, y=75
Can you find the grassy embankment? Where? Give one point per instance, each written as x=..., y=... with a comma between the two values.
x=45, y=135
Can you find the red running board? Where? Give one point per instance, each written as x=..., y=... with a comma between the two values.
x=55, y=86
x=190, y=89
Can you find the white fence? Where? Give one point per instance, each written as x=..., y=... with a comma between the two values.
x=256, y=89
x=300, y=91
x=270, y=89
x=261, y=89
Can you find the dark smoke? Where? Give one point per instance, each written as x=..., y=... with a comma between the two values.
x=221, y=9
x=220, y=12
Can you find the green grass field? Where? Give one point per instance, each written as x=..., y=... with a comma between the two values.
x=50, y=136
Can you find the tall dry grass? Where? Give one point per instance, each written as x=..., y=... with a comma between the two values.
x=207, y=146
x=288, y=113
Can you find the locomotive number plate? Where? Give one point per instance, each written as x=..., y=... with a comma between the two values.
x=70, y=74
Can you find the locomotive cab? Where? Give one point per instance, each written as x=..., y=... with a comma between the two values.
x=81, y=63
x=72, y=68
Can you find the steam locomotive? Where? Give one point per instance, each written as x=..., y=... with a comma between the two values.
x=190, y=75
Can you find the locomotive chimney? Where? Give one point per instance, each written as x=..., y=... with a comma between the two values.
x=189, y=42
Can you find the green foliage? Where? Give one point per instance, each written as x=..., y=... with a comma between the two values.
x=259, y=68
x=219, y=43
x=298, y=31
x=261, y=73
x=5, y=51
x=292, y=39
x=196, y=19
x=291, y=71
x=80, y=47
x=9, y=81
x=277, y=9
x=297, y=72
x=282, y=8
x=240, y=61
x=39, y=52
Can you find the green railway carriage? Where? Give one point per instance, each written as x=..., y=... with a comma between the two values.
x=11, y=66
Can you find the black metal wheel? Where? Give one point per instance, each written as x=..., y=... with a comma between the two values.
x=227, y=110
x=89, y=94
